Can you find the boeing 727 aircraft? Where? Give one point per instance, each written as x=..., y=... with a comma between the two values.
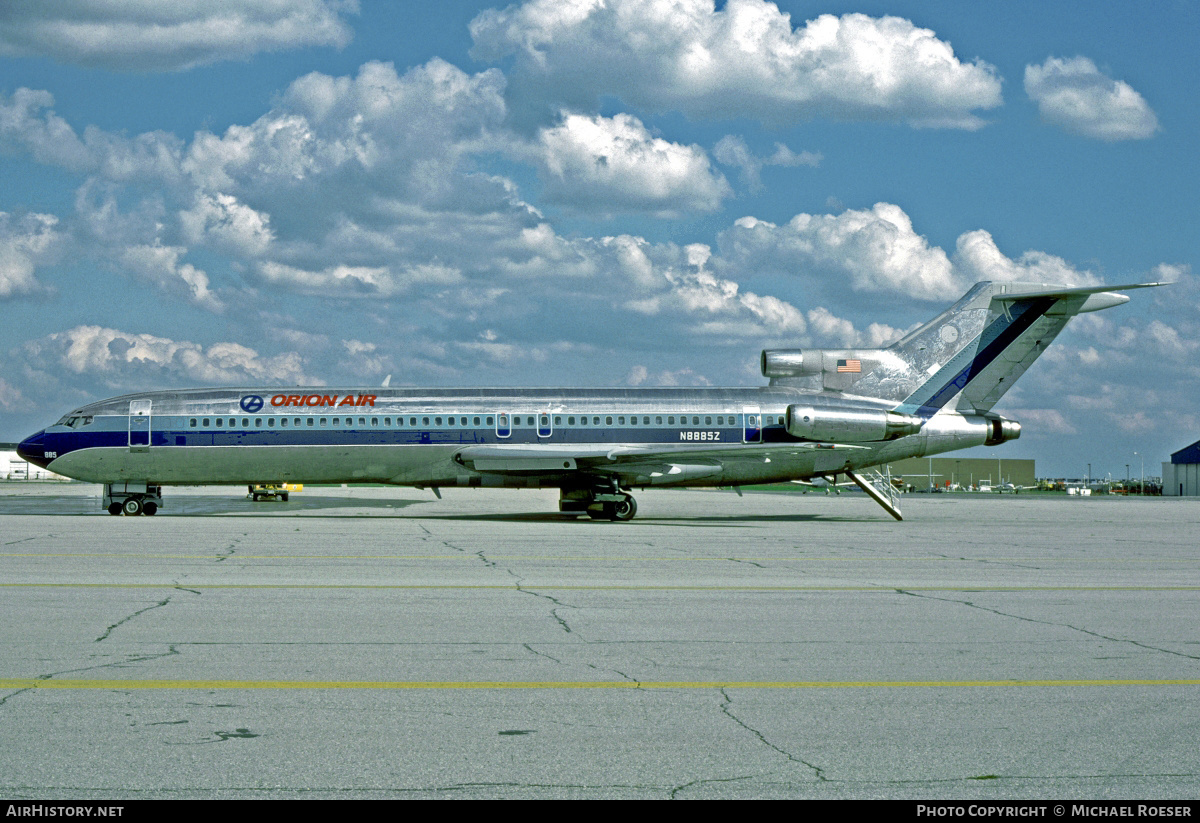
x=825, y=413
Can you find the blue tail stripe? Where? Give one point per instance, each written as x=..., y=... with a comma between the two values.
x=997, y=337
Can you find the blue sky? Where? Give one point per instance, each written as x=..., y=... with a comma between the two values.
x=593, y=193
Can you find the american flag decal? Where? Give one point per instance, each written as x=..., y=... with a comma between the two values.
x=849, y=366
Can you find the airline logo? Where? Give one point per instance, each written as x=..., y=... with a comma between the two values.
x=253, y=403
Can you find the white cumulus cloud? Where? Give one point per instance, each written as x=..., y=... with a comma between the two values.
x=147, y=35
x=615, y=164
x=732, y=150
x=879, y=250
x=872, y=250
x=25, y=243
x=745, y=60
x=118, y=358
x=1075, y=95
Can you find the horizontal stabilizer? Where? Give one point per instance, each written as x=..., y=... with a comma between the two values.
x=1071, y=292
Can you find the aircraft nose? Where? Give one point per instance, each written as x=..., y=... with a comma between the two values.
x=33, y=449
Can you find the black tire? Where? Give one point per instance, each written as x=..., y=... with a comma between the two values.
x=150, y=508
x=132, y=507
x=114, y=508
x=283, y=497
x=625, y=510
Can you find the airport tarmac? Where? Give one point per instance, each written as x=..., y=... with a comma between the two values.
x=375, y=642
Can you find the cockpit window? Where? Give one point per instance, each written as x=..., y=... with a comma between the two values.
x=75, y=421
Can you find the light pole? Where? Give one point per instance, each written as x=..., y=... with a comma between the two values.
x=1126, y=478
x=1142, y=485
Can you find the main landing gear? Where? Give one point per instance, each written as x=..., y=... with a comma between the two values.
x=600, y=503
x=132, y=499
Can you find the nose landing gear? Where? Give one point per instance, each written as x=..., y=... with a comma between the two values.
x=132, y=499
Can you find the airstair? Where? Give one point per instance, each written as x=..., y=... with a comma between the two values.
x=878, y=484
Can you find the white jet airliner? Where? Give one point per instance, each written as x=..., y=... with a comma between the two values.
x=826, y=412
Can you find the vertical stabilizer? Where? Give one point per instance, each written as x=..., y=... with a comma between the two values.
x=1019, y=322
x=970, y=354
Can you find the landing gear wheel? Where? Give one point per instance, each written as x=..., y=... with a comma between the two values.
x=114, y=508
x=132, y=506
x=150, y=509
x=624, y=510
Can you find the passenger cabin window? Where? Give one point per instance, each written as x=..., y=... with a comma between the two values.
x=192, y=422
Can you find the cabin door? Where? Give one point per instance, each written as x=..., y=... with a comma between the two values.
x=751, y=425
x=139, y=425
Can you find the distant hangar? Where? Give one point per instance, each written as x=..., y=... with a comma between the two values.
x=1181, y=477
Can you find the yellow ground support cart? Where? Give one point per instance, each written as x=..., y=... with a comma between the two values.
x=271, y=491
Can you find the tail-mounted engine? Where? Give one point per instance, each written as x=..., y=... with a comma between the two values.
x=1000, y=430
x=849, y=425
x=834, y=369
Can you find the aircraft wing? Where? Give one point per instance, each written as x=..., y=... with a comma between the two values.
x=657, y=464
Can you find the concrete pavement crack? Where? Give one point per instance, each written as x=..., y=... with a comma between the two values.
x=520, y=580
x=817, y=770
x=999, y=613
x=125, y=620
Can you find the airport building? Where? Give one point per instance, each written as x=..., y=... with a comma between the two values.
x=13, y=467
x=964, y=473
x=1181, y=477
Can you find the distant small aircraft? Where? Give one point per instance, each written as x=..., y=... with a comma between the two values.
x=826, y=413
x=1005, y=488
x=826, y=484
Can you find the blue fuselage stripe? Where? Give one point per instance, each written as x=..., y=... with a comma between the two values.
x=64, y=442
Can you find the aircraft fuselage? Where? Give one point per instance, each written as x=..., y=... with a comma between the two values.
x=413, y=436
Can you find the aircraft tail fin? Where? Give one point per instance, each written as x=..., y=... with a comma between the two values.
x=970, y=354
x=1006, y=327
